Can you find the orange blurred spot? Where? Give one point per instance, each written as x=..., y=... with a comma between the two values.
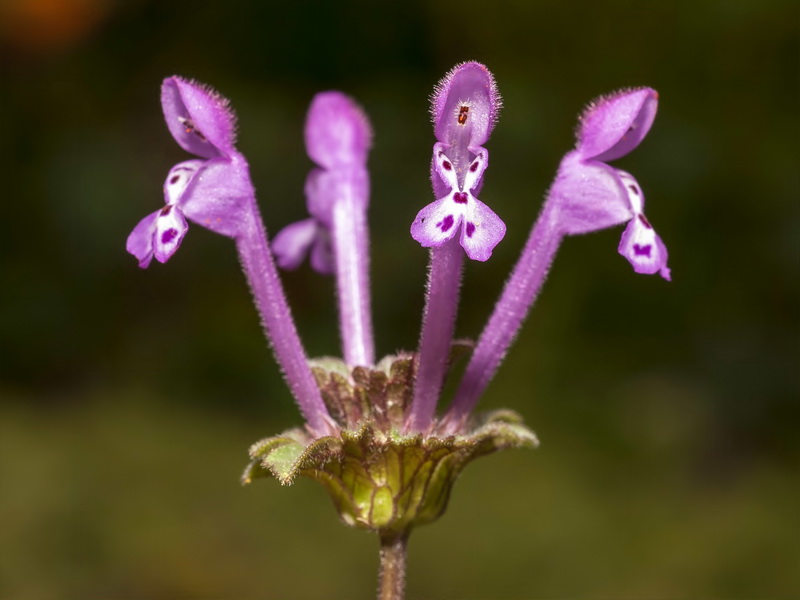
x=42, y=25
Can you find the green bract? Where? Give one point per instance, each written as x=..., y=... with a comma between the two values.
x=378, y=477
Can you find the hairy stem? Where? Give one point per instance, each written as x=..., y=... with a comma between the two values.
x=350, y=236
x=392, y=575
x=510, y=311
x=276, y=318
x=438, y=324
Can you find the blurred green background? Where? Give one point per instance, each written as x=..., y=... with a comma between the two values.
x=667, y=412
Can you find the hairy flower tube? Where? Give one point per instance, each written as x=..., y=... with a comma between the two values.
x=338, y=137
x=371, y=434
x=464, y=106
x=217, y=193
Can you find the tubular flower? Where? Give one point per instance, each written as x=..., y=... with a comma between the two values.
x=207, y=191
x=592, y=195
x=338, y=138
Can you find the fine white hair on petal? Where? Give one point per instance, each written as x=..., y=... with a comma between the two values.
x=439, y=95
x=222, y=101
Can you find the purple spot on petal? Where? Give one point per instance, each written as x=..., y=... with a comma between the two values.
x=474, y=166
x=165, y=211
x=470, y=229
x=633, y=188
x=460, y=197
x=169, y=235
x=174, y=179
x=447, y=166
x=644, y=221
x=446, y=223
x=642, y=250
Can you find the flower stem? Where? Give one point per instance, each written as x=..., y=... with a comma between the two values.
x=510, y=311
x=276, y=318
x=392, y=574
x=351, y=249
x=438, y=324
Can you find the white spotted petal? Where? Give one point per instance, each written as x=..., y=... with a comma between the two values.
x=169, y=231
x=179, y=178
x=481, y=228
x=640, y=243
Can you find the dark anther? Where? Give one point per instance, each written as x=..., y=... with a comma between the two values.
x=463, y=112
x=165, y=211
x=189, y=127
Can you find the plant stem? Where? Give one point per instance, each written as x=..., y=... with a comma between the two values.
x=351, y=249
x=392, y=575
x=438, y=324
x=276, y=317
x=515, y=302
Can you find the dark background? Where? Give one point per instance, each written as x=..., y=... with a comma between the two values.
x=667, y=411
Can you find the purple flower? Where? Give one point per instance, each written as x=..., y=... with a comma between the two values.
x=464, y=108
x=338, y=138
x=215, y=191
x=590, y=195
x=207, y=191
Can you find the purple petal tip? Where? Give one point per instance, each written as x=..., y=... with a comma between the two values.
x=337, y=131
x=199, y=118
x=140, y=240
x=611, y=126
x=466, y=96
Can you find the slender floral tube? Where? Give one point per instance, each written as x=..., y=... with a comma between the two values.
x=464, y=109
x=350, y=236
x=439, y=320
x=338, y=137
x=215, y=191
x=276, y=318
x=518, y=296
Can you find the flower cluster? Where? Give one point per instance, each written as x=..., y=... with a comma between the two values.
x=367, y=420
